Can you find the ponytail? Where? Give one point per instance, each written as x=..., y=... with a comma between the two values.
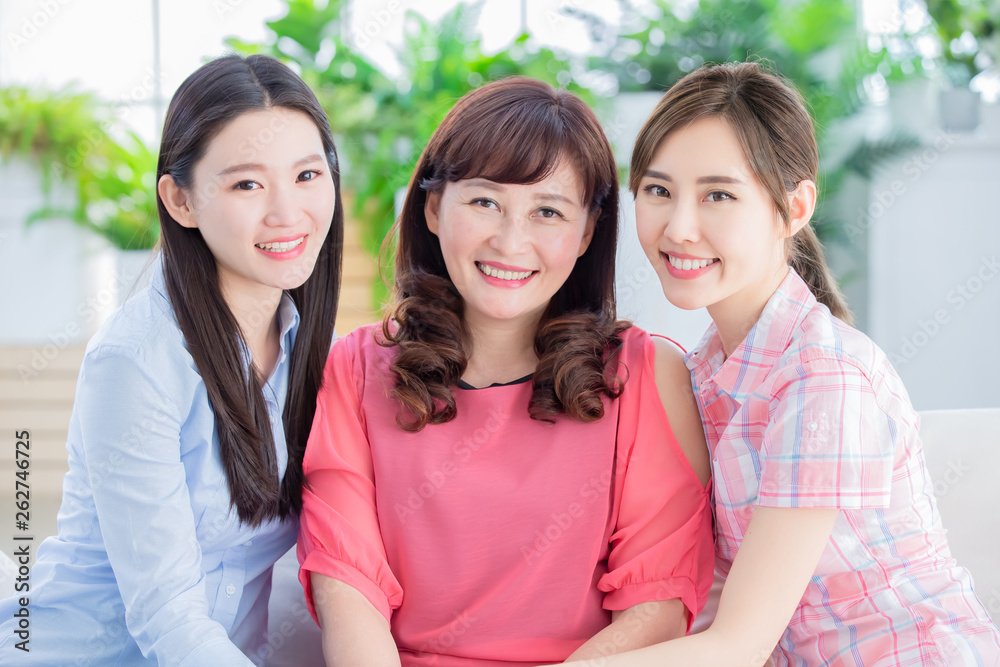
x=806, y=256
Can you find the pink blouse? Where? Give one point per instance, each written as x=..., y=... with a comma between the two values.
x=495, y=539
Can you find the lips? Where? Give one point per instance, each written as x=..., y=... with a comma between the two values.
x=500, y=273
x=287, y=248
x=687, y=268
x=686, y=264
x=281, y=246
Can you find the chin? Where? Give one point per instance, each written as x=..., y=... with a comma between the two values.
x=684, y=302
x=295, y=278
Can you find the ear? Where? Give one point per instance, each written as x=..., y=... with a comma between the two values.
x=431, y=207
x=176, y=201
x=801, y=204
x=588, y=233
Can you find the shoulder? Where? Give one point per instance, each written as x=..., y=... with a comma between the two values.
x=144, y=327
x=642, y=351
x=140, y=350
x=828, y=355
x=363, y=345
x=143, y=335
x=825, y=343
x=669, y=383
x=360, y=357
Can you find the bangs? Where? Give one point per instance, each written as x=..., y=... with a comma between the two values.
x=520, y=142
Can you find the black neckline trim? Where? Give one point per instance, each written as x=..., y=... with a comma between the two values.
x=462, y=384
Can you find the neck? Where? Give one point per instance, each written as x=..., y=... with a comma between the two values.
x=500, y=351
x=256, y=313
x=737, y=314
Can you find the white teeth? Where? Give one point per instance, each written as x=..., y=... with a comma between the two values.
x=502, y=275
x=283, y=246
x=689, y=264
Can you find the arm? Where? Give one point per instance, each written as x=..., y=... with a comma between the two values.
x=769, y=575
x=345, y=573
x=656, y=621
x=826, y=409
x=662, y=556
x=673, y=383
x=130, y=436
x=641, y=625
x=354, y=632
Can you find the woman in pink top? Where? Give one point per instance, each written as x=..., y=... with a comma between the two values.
x=493, y=476
x=826, y=523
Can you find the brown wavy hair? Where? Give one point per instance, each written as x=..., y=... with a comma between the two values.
x=514, y=130
x=776, y=133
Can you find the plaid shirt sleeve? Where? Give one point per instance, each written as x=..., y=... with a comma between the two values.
x=827, y=443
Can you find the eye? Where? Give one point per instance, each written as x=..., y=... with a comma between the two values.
x=656, y=190
x=550, y=213
x=718, y=195
x=485, y=203
x=243, y=185
x=312, y=173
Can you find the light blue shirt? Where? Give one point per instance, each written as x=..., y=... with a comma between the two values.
x=151, y=566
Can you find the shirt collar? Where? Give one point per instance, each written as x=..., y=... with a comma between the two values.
x=288, y=321
x=754, y=358
x=158, y=281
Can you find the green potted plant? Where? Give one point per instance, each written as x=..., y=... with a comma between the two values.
x=79, y=202
x=75, y=140
x=969, y=31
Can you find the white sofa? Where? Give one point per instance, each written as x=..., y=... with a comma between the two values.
x=962, y=448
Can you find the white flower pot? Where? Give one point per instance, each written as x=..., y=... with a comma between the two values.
x=959, y=108
x=51, y=272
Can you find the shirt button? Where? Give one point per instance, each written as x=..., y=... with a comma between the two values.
x=248, y=543
x=230, y=590
x=812, y=426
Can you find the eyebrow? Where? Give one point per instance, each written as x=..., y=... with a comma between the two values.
x=497, y=187
x=256, y=166
x=557, y=197
x=652, y=173
x=484, y=183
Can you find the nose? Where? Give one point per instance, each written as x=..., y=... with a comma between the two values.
x=511, y=234
x=283, y=207
x=682, y=226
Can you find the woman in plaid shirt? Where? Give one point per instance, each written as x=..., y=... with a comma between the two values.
x=827, y=529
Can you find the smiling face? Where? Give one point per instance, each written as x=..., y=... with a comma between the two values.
x=708, y=226
x=263, y=199
x=509, y=248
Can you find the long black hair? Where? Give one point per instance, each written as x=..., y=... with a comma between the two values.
x=211, y=97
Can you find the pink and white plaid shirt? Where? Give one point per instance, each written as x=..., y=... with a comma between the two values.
x=808, y=412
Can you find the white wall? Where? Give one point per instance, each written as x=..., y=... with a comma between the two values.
x=934, y=269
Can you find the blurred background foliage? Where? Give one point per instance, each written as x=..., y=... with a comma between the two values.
x=814, y=44
x=76, y=140
x=383, y=122
x=970, y=35
x=382, y=125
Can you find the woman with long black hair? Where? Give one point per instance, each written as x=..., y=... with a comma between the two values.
x=195, y=400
